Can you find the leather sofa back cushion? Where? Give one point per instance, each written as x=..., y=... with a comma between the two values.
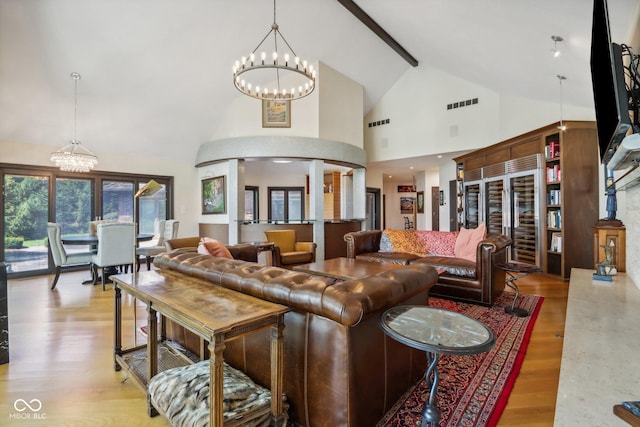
x=419, y=242
x=209, y=246
x=466, y=246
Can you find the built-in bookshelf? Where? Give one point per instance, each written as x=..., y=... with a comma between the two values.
x=571, y=196
x=459, y=196
x=553, y=183
x=567, y=207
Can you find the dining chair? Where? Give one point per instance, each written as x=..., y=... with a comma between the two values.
x=115, y=247
x=60, y=256
x=93, y=225
x=166, y=230
x=408, y=224
x=288, y=251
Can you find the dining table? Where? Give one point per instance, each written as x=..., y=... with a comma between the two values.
x=92, y=241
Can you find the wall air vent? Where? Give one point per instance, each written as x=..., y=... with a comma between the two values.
x=379, y=123
x=460, y=104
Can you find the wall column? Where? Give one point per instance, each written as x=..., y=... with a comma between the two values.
x=235, y=201
x=316, y=204
x=360, y=194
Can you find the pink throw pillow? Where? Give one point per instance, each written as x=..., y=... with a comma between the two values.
x=467, y=242
x=209, y=246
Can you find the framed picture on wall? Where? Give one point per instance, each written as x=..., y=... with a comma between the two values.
x=406, y=205
x=406, y=188
x=276, y=114
x=420, y=201
x=214, y=196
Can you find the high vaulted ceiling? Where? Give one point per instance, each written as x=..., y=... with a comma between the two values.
x=158, y=72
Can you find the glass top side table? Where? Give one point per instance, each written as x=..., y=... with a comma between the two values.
x=437, y=332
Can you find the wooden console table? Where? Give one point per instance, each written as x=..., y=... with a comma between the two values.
x=214, y=313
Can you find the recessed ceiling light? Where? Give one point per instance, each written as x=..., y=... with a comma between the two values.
x=411, y=167
x=439, y=156
x=282, y=161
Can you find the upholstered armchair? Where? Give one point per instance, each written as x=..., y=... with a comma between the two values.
x=288, y=251
x=115, y=246
x=60, y=256
x=166, y=230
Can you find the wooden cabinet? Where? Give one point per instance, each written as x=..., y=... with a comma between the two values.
x=332, y=195
x=610, y=233
x=568, y=207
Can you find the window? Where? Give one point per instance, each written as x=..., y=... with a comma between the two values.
x=251, y=210
x=286, y=204
x=35, y=195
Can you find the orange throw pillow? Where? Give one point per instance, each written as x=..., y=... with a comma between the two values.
x=467, y=242
x=209, y=246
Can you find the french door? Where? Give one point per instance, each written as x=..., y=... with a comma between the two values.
x=33, y=196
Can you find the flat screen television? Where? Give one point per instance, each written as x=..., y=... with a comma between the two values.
x=609, y=90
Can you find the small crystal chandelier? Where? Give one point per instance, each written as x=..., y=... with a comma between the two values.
x=269, y=69
x=74, y=157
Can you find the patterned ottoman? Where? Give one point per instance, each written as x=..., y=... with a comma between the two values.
x=181, y=395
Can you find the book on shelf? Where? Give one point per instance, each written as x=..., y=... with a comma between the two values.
x=553, y=173
x=556, y=242
x=554, y=219
x=552, y=150
x=554, y=197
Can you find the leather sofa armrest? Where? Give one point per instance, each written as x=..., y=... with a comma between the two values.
x=359, y=242
x=244, y=252
x=182, y=242
x=492, y=244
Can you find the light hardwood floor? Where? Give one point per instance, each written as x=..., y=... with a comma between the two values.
x=61, y=348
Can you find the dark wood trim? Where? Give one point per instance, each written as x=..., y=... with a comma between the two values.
x=378, y=30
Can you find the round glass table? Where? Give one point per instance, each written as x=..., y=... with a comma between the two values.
x=437, y=332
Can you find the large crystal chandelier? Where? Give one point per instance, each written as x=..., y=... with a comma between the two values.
x=258, y=74
x=74, y=157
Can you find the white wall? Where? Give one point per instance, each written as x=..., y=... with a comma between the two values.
x=332, y=111
x=394, y=219
x=420, y=123
x=186, y=194
x=341, y=107
x=273, y=180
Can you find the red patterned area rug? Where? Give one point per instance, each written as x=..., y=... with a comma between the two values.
x=473, y=390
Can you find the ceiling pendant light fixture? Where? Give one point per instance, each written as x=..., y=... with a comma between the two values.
x=560, y=79
x=278, y=75
x=555, y=52
x=74, y=157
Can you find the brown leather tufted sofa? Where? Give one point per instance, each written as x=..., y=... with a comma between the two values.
x=477, y=282
x=340, y=368
x=242, y=251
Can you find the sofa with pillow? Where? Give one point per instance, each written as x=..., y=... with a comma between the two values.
x=466, y=259
x=207, y=245
x=340, y=368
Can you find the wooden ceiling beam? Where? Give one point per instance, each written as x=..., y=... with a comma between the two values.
x=378, y=30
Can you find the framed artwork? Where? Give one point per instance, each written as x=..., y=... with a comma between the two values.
x=214, y=196
x=406, y=188
x=276, y=114
x=420, y=201
x=406, y=205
